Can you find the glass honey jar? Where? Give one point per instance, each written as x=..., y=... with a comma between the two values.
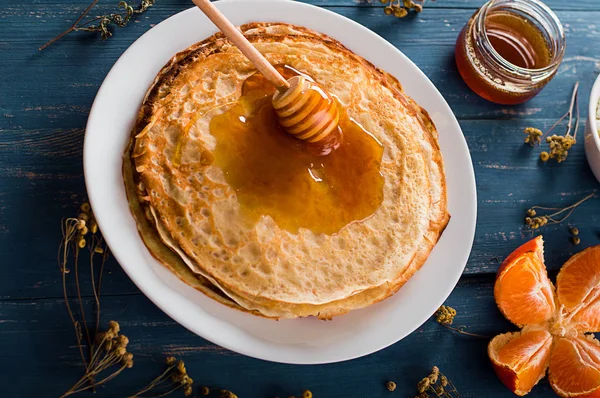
x=510, y=49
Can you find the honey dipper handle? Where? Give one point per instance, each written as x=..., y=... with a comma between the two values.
x=233, y=34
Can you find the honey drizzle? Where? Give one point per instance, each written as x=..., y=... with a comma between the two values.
x=322, y=187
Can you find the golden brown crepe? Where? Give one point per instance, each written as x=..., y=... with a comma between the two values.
x=190, y=218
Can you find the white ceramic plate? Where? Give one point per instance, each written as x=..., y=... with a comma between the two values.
x=301, y=341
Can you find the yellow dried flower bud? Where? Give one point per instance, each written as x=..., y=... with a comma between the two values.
x=84, y=230
x=81, y=243
x=204, y=391
x=123, y=340
x=121, y=351
x=307, y=394
x=423, y=385
x=576, y=240
x=400, y=12
x=187, y=391
x=94, y=228
x=444, y=381
x=85, y=207
x=98, y=250
x=574, y=231
x=181, y=367
x=171, y=360
x=388, y=10
x=114, y=326
x=544, y=156
x=390, y=385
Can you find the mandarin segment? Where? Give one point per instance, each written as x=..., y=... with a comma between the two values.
x=578, y=289
x=523, y=291
x=575, y=367
x=520, y=359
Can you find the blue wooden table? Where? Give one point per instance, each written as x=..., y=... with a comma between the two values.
x=45, y=98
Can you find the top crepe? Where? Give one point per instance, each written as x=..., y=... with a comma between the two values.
x=186, y=205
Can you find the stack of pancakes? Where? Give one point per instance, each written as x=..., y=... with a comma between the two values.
x=190, y=218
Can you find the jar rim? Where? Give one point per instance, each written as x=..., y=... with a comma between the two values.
x=537, y=11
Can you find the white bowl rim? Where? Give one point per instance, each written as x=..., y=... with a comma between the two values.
x=592, y=108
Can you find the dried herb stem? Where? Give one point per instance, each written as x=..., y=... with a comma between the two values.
x=461, y=330
x=176, y=374
x=438, y=384
x=559, y=144
x=104, y=22
x=69, y=229
x=534, y=220
x=445, y=316
x=569, y=114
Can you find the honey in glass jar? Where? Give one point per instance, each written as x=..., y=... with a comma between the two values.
x=510, y=49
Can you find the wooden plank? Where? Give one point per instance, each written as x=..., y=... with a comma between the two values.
x=14, y=6
x=41, y=330
x=79, y=63
x=42, y=176
x=556, y=5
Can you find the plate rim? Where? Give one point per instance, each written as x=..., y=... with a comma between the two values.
x=95, y=196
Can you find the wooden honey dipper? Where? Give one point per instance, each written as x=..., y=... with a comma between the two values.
x=304, y=109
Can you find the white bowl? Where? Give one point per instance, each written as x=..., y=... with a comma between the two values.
x=592, y=140
x=292, y=340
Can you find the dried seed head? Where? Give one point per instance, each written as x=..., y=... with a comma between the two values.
x=181, y=367
x=307, y=394
x=443, y=381
x=171, y=360
x=445, y=315
x=187, y=390
x=204, y=391
x=114, y=326
x=576, y=240
x=390, y=385
x=423, y=385
x=574, y=231
x=123, y=340
x=85, y=207
x=544, y=156
x=400, y=12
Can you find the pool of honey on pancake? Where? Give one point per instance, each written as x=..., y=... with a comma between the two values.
x=321, y=186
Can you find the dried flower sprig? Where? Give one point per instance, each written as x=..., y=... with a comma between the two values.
x=559, y=144
x=104, y=23
x=110, y=350
x=534, y=220
x=438, y=384
x=445, y=316
x=172, y=379
x=400, y=8
x=106, y=350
